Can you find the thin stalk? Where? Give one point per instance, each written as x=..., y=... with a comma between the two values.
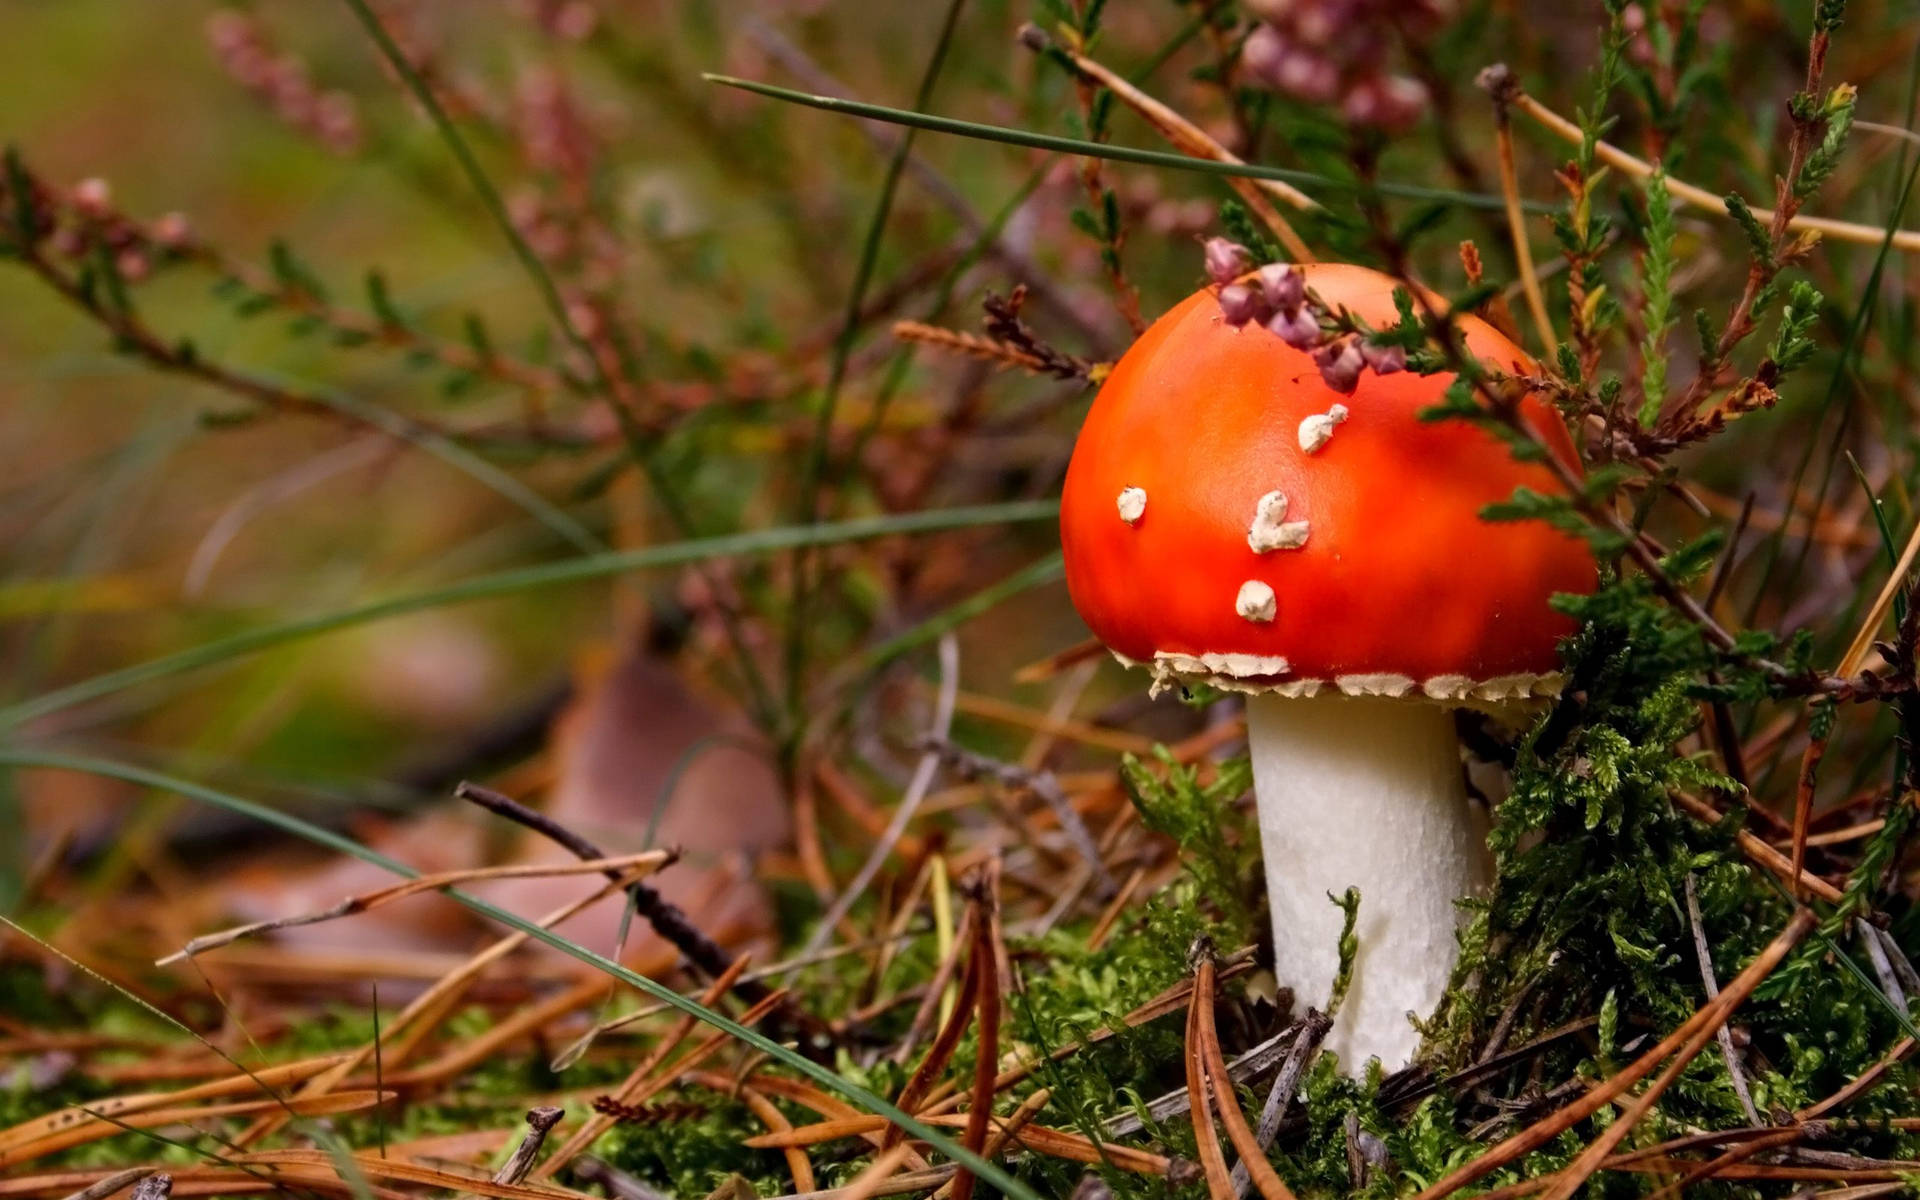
x=482, y=184
x=503, y=583
x=813, y=474
x=549, y=291
x=1113, y=153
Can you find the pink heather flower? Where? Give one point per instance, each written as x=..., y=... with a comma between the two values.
x=132, y=265
x=1340, y=364
x=1239, y=304
x=1263, y=53
x=1226, y=261
x=1299, y=329
x=172, y=230
x=1385, y=101
x=1306, y=75
x=93, y=197
x=1315, y=24
x=1282, y=286
x=1383, y=360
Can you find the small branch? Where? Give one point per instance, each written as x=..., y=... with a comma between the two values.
x=1760, y=853
x=1712, y=985
x=1253, y=1155
x=624, y=867
x=667, y=918
x=1199, y=1099
x=100, y=1189
x=1498, y=82
x=1803, y=795
x=1044, y=784
x=1286, y=1082
x=1843, y=231
x=916, y=793
x=1703, y=1021
x=617, y=1184
x=540, y=1122
x=1192, y=141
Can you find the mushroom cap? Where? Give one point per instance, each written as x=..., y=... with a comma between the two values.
x=1399, y=587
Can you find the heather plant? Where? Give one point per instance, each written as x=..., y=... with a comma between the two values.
x=722, y=362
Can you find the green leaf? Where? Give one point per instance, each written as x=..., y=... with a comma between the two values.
x=1759, y=243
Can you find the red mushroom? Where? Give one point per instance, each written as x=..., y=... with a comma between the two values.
x=1230, y=518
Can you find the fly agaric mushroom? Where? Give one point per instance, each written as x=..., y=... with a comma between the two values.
x=1323, y=552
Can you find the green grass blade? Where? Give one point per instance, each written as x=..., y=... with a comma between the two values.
x=599, y=566
x=463, y=459
x=813, y=471
x=482, y=183
x=1126, y=154
x=853, y=1093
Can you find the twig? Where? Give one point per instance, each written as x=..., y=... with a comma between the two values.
x=641, y=1083
x=987, y=1024
x=914, y=1092
x=1249, y=1065
x=1882, y=967
x=540, y=1122
x=923, y=776
x=103, y=1188
x=667, y=919
x=973, y=345
x=1712, y=985
x=625, y=865
x=1860, y=1085
x=1862, y=643
x=1253, y=1156
x=1759, y=852
x=1498, y=82
x=1803, y=794
x=1311, y=1030
x=1706, y=1018
x=1190, y=140
x=1613, y=156
x=868, y=1182
x=1205, y=1138
x=617, y=1184
x=1042, y=783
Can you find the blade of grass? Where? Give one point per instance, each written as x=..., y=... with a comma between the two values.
x=814, y=470
x=604, y=384
x=854, y=1093
x=599, y=566
x=462, y=459
x=482, y=184
x=1106, y=150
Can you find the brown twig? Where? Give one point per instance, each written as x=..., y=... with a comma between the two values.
x=540, y=1122
x=1253, y=1156
x=1206, y=1139
x=1190, y=140
x=1613, y=156
x=667, y=919
x=1707, y=1018
x=1498, y=82
x=1704, y=955
x=987, y=1006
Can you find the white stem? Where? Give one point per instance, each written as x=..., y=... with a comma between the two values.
x=1365, y=792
